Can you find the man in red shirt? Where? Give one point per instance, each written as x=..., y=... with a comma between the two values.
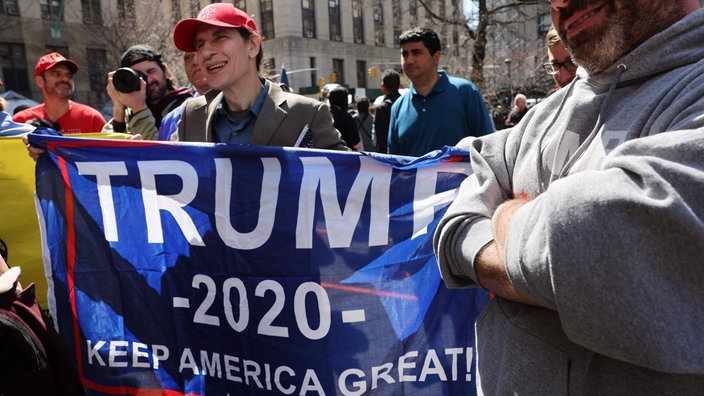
x=54, y=76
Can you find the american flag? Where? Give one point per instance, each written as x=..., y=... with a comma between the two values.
x=305, y=139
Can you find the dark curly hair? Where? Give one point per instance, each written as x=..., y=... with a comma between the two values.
x=429, y=38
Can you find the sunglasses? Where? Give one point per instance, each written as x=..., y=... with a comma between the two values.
x=553, y=68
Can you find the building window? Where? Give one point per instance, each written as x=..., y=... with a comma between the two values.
x=397, y=37
x=544, y=23
x=14, y=68
x=308, y=15
x=125, y=11
x=62, y=49
x=9, y=7
x=428, y=19
x=362, y=74
x=241, y=4
x=313, y=72
x=379, y=23
x=270, y=65
x=358, y=21
x=267, y=26
x=338, y=66
x=334, y=14
x=396, y=20
x=50, y=9
x=97, y=70
x=91, y=12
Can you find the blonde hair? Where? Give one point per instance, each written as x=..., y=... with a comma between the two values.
x=552, y=38
x=3, y=104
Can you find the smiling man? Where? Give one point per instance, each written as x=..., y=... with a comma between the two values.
x=53, y=74
x=243, y=107
x=439, y=110
x=585, y=221
x=140, y=112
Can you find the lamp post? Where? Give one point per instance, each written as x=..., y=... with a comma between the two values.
x=507, y=61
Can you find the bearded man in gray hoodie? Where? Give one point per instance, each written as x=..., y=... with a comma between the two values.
x=585, y=219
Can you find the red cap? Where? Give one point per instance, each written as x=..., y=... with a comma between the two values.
x=216, y=14
x=46, y=62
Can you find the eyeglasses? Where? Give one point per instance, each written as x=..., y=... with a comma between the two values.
x=553, y=68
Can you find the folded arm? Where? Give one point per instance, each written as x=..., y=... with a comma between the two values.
x=618, y=252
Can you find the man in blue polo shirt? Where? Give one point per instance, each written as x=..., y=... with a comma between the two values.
x=438, y=110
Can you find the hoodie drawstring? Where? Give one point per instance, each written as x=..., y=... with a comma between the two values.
x=620, y=69
x=555, y=117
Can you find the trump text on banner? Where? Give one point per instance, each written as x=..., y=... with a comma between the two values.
x=199, y=269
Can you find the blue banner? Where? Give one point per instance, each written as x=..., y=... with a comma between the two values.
x=194, y=269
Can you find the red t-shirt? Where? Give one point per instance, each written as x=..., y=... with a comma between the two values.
x=78, y=119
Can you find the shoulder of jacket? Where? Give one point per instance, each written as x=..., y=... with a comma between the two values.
x=300, y=99
x=194, y=103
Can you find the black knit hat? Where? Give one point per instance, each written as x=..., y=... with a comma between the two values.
x=140, y=53
x=338, y=97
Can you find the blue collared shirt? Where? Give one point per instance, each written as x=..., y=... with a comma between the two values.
x=452, y=110
x=228, y=130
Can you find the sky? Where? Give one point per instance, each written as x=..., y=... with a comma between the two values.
x=469, y=7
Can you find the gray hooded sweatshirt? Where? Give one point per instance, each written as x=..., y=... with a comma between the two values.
x=612, y=240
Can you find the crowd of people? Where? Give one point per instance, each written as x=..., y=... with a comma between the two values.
x=152, y=107
x=582, y=216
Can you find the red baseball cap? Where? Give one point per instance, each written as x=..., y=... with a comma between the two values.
x=216, y=14
x=46, y=62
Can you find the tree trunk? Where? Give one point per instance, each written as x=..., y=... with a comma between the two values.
x=479, y=50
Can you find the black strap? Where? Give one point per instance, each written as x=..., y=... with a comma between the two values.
x=360, y=124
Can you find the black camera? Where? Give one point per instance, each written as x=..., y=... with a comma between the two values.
x=127, y=80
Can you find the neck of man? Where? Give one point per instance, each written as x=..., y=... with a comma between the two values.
x=243, y=96
x=168, y=92
x=55, y=107
x=202, y=89
x=424, y=85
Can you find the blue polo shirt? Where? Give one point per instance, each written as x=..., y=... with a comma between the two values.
x=452, y=110
x=227, y=129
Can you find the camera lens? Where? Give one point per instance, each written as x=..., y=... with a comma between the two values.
x=126, y=80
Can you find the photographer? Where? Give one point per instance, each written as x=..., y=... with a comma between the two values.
x=142, y=92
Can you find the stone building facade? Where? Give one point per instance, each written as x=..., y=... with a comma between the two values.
x=350, y=41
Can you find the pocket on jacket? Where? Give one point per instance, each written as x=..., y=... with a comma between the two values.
x=513, y=361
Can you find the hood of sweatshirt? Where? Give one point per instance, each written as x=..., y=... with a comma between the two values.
x=678, y=46
x=649, y=90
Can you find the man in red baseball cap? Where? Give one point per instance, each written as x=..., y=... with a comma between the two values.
x=242, y=106
x=54, y=76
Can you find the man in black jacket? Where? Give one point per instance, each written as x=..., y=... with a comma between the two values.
x=342, y=119
x=390, y=83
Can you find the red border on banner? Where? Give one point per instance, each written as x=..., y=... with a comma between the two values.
x=70, y=263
